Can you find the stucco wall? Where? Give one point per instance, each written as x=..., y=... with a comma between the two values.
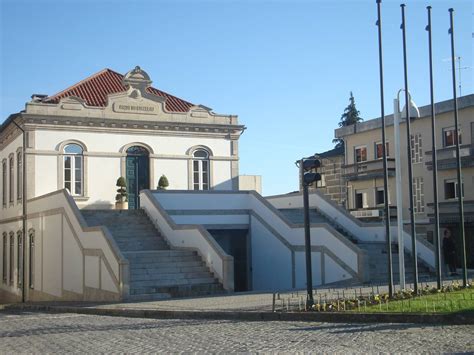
x=70, y=261
x=276, y=245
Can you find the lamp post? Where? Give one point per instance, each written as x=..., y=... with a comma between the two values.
x=434, y=158
x=308, y=178
x=458, y=155
x=384, y=153
x=414, y=112
x=410, y=170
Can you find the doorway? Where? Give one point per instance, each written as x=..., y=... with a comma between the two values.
x=235, y=242
x=137, y=174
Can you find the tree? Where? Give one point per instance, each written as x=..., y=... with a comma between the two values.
x=350, y=116
x=163, y=183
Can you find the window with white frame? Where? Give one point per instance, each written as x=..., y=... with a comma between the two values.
x=360, y=153
x=201, y=170
x=418, y=195
x=449, y=136
x=11, y=177
x=19, y=175
x=74, y=169
x=416, y=148
x=379, y=150
x=360, y=200
x=451, y=189
x=4, y=183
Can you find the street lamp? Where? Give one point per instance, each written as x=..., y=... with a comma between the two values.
x=307, y=178
x=397, y=115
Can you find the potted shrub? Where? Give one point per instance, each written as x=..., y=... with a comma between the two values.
x=163, y=183
x=121, y=202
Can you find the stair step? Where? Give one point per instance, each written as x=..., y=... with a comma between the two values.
x=180, y=290
x=171, y=282
x=138, y=272
x=162, y=276
x=164, y=265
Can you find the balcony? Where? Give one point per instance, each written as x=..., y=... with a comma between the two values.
x=368, y=170
x=447, y=157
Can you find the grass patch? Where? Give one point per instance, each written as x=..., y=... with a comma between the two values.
x=448, y=302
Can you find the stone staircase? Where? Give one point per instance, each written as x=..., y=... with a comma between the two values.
x=376, y=251
x=156, y=270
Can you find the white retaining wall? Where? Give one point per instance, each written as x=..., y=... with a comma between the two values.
x=71, y=261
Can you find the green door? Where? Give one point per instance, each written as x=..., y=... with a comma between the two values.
x=137, y=174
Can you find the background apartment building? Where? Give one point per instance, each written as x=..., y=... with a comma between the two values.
x=363, y=169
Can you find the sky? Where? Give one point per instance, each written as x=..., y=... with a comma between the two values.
x=285, y=67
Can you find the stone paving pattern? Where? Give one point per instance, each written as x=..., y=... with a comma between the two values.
x=72, y=333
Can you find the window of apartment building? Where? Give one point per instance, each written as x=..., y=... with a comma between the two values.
x=379, y=196
x=12, y=258
x=360, y=154
x=201, y=170
x=451, y=189
x=379, y=150
x=19, y=175
x=73, y=169
x=12, y=181
x=416, y=148
x=449, y=136
x=4, y=183
x=418, y=195
x=360, y=200
x=4, y=254
x=322, y=182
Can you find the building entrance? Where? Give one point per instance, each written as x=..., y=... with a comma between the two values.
x=235, y=243
x=137, y=174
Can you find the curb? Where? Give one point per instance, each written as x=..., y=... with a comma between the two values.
x=333, y=317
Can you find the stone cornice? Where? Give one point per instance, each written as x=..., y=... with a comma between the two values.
x=134, y=127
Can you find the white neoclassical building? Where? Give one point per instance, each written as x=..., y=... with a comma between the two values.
x=110, y=125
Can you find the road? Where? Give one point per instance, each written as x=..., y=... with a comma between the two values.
x=74, y=333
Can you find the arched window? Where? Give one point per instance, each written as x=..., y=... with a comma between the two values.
x=12, y=181
x=19, y=259
x=73, y=169
x=12, y=258
x=4, y=183
x=201, y=170
x=19, y=175
x=4, y=254
x=31, y=253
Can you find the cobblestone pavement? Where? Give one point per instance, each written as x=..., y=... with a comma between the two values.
x=52, y=333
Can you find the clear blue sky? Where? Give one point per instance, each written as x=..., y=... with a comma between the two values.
x=285, y=67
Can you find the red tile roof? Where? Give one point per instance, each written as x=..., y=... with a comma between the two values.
x=94, y=91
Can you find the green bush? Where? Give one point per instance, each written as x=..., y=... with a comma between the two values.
x=163, y=183
x=122, y=190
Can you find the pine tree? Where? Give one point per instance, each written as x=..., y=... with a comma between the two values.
x=350, y=116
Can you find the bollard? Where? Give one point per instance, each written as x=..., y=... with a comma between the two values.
x=273, y=302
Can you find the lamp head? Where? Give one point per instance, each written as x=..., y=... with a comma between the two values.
x=414, y=111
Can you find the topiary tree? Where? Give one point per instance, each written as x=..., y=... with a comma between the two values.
x=122, y=190
x=163, y=183
x=350, y=116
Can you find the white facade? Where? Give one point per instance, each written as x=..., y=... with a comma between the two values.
x=192, y=146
